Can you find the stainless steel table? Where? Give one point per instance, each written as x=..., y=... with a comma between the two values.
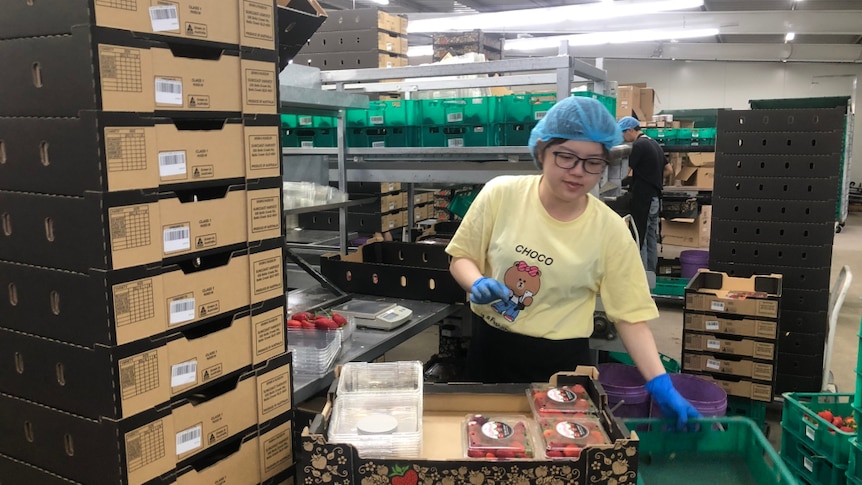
x=366, y=344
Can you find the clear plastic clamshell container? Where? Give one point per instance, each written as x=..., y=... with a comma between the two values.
x=547, y=400
x=380, y=378
x=566, y=436
x=378, y=425
x=491, y=437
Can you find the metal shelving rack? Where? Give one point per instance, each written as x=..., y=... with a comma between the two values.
x=475, y=165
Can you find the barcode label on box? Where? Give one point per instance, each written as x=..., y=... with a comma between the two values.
x=538, y=115
x=378, y=144
x=307, y=144
x=169, y=91
x=807, y=463
x=164, y=18
x=184, y=373
x=713, y=364
x=455, y=142
x=376, y=120
x=182, y=311
x=455, y=117
x=716, y=306
x=189, y=439
x=711, y=324
x=713, y=344
x=172, y=163
x=177, y=239
x=809, y=432
x=305, y=121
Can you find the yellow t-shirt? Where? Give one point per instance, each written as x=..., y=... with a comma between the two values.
x=553, y=269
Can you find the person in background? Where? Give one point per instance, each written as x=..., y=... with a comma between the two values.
x=647, y=169
x=534, y=252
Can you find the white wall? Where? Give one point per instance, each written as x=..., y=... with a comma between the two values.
x=704, y=84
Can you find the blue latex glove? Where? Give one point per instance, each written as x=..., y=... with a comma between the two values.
x=485, y=290
x=672, y=404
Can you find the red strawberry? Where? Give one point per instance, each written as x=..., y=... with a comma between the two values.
x=294, y=323
x=307, y=324
x=572, y=451
x=409, y=478
x=826, y=414
x=846, y=429
x=579, y=389
x=554, y=453
x=339, y=319
x=325, y=324
x=301, y=316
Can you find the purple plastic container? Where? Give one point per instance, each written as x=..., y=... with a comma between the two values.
x=692, y=260
x=707, y=397
x=624, y=384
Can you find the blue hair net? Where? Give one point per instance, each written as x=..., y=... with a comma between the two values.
x=628, y=123
x=577, y=118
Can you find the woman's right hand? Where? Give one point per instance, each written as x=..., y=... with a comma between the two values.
x=486, y=290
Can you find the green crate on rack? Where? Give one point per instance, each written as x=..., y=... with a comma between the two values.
x=460, y=136
x=396, y=112
x=516, y=134
x=310, y=121
x=799, y=417
x=609, y=102
x=525, y=108
x=669, y=286
x=810, y=466
x=478, y=110
x=289, y=121
x=308, y=138
x=382, y=137
x=726, y=450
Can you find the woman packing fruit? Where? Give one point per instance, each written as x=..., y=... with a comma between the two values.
x=535, y=250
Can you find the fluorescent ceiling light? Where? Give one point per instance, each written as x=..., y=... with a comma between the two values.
x=503, y=21
x=790, y=36
x=379, y=2
x=598, y=38
x=420, y=50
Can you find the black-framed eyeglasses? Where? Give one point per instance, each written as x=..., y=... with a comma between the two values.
x=568, y=161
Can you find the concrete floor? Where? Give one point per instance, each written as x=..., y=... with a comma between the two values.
x=847, y=250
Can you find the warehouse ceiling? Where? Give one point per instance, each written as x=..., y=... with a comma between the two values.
x=749, y=30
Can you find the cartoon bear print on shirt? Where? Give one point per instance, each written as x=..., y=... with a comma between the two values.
x=523, y=282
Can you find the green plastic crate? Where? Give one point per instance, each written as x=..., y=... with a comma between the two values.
x=309, y=121
x=726, y=450
x=308, y=137
x=854, y=468
x=479, y=110
x=516, y=134
x=381, y=137
x=748, y=408
x=799, y=417
x=395, y=112
x=525, y=108
x=808, y=465
x=669, y=286
x=460, y=136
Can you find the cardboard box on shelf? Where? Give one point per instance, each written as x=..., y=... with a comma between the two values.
x=371, y=59
x=694, y=233
x=138, y=303
x=114, y=71
x=725, y=345
x=704, y=322
x=700, y=159
x=246, y=22
x=718, y=293
x=444, y=410
x=646, y=102
x=365, y=19
x=741, y=387
x=111, y=152
x=628, y=102
x=698, y=177
x=710, y=363
x=356, y=40
x=151, y=446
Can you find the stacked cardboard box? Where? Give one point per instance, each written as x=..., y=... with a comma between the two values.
x=142, y=243
x=385, y=211
x=636, y=100
x=357, y=39
x=476, y=41
x=731, y=332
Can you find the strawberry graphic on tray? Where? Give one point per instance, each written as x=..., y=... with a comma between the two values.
x=403, y=475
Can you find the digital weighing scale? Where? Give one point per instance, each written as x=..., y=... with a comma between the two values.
x=379, y=315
